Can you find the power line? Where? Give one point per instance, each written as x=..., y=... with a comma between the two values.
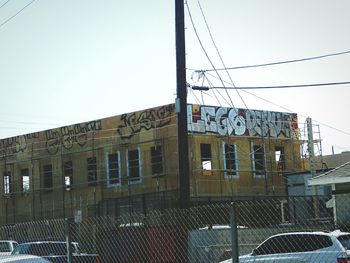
x=13, y=16
x=282, y=62
x=5, y=3
x=274, y=87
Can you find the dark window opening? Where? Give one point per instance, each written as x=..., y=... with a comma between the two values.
x=230, y=160
x=259, y=160
x=157, y=160
x=133, y=165
x=91, y=170
x=113, y=169
x=47, y=177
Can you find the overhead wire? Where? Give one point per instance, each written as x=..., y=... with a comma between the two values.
x=278, y=86
x=17, y=13
x=1, y=6
x=282, y=62
x=219, y=54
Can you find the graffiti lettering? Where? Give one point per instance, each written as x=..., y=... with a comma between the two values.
x=69, y=135
x=231, y=121
x=135, y=122
x=13, y=145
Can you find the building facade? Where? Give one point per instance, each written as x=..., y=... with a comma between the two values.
x=128, y=163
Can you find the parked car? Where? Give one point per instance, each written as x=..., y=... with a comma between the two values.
x=7, y=246
x=55, y=251
x=22, y=259
x=308, y=247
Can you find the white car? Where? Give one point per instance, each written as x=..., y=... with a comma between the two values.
x=7, y=246
x=22, y=259
x=301, y=247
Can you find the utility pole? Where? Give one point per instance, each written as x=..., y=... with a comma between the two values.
x=181, y=106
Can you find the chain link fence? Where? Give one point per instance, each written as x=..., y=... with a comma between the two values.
x=198, y=234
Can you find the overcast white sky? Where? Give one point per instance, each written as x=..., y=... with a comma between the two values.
x=70, y=61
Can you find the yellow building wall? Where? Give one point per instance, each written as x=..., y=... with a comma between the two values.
x=140, y=130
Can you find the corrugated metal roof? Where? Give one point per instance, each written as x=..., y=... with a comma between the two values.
x=338, y=175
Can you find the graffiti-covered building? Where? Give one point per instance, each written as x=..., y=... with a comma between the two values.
x=129, y=162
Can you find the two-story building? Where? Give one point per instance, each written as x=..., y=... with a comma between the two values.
x=128, y=163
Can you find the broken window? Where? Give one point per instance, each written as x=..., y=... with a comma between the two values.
x=7, y=183
x=206, y=160
x=68, y=174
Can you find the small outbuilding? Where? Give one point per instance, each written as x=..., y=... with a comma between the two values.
x=339, y=180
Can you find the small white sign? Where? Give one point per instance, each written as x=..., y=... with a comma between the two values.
x=78, y=216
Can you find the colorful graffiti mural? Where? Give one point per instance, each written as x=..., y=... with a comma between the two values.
x=239, y=122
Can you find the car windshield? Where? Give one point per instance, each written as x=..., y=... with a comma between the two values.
x=42, y=249
x=345, y=241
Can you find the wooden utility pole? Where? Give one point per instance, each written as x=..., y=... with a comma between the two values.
x=181, y=106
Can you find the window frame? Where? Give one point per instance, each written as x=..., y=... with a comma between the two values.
x=108, y=170
x=134, y=180
x=68, y=173
x=7, y=183
x=230, y=174
x=25, y=173
x=91, y=180
x=254, y=160
x=157, y=160
x=206, y=159
x=47, y=177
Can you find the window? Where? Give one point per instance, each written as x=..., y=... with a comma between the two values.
x=7, y=183
x=280, y=159
x=230, y=162
x=206, y=156
x=157, y=160
x=258, y=161
x=293, y=243
x=25, y=180
x=134, y=166
x=91, y=170
x=68, y=174
x=47, y=176
x=113, y=169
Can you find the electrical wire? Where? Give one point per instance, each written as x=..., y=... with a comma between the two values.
x=281, y=62
x=1, y=6
x=277, y=87
x=13, y=16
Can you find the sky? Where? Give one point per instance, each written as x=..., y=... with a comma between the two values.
x=70, y=61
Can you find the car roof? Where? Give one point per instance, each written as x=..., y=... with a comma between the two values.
x=335, y=233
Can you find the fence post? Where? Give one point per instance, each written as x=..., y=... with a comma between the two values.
x=234, y=234
x=68, y=240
